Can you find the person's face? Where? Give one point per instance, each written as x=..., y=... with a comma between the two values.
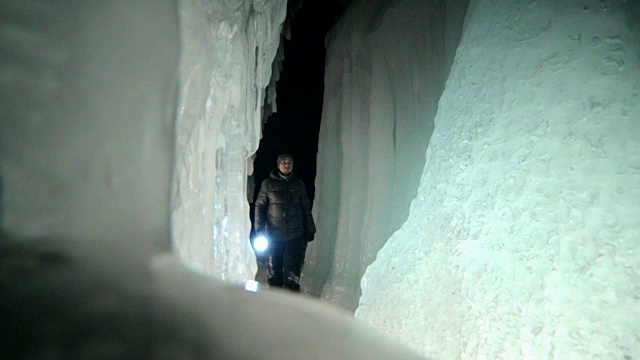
x=285, y=166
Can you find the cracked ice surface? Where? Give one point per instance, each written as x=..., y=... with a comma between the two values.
x=522, y=241
x=228, y=49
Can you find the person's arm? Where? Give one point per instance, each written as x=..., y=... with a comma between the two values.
x=259, y=222
x=309, y=224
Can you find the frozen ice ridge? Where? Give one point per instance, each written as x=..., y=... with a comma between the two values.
x=387, y=63
x=228, y=52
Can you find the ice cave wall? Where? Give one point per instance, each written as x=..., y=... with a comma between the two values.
x=74, y=165
x=523, y=239
x=73, y=75
x=228, y=48
x=387, y=63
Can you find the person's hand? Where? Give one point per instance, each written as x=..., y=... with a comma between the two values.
x=259, y=234
x=310, y=237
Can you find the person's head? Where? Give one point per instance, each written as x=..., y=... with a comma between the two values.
x=285, y=164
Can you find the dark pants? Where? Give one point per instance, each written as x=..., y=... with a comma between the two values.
x=285, y=263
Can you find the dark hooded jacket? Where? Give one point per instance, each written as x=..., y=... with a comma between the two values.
x=282, y=209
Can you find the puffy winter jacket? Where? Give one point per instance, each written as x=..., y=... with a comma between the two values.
x=282, y=209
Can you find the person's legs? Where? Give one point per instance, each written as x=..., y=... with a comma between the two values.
x=294, y=253
x=274, y=271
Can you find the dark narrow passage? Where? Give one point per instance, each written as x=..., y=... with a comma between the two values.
x=294, y=128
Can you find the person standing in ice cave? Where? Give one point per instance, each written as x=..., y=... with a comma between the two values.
x=283, y=216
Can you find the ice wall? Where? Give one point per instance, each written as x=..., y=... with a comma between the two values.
x=73, y=76
x=228, y=48
x=523, y=239
x=387, y=63
x=74, y=165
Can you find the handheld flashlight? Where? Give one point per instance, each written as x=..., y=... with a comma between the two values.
x=260, y=243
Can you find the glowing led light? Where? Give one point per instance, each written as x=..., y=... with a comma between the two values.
x=260, y=243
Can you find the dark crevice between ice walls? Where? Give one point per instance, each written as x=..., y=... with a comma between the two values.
x=294, y=127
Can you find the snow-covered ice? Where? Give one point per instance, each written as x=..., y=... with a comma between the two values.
x=116, y=300
x=523, y=239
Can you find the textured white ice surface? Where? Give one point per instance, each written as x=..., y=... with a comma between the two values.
x=522, y=241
